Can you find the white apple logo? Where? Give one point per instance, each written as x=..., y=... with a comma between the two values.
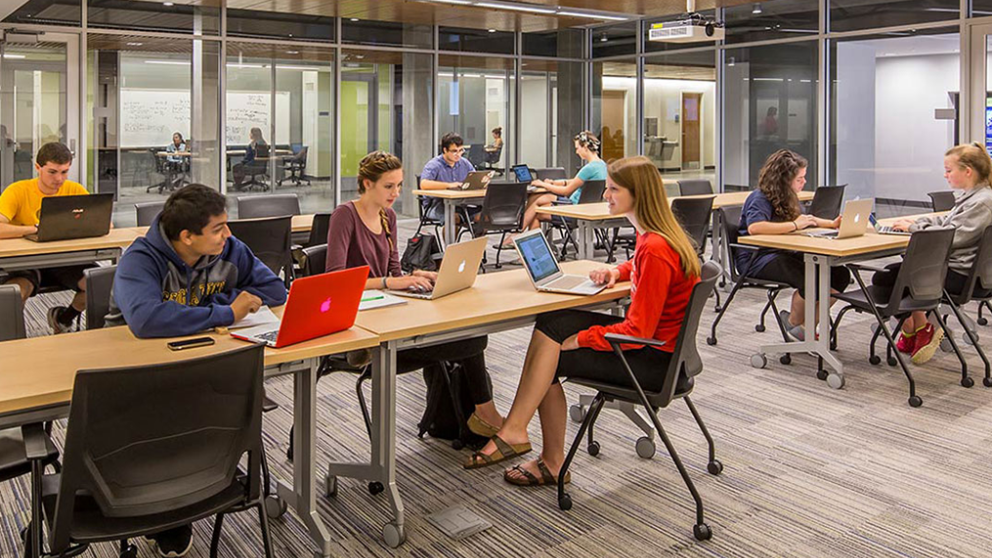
x=461, y=266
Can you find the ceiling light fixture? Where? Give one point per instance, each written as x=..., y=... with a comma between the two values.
x=492, y=30
x=135, y=44
x=603, y=39
x=516, y=7
x=292, y=52
x=456, y=2
x=756, y=10
x=169, y=4
x=354, y=19
x=591, y=16
x=14, y=56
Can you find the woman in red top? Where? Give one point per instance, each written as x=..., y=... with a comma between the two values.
x=572, y=344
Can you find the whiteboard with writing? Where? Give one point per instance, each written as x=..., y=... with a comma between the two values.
x=149, y=117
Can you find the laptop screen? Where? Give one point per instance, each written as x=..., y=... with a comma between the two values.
x=537, y=257
x=522, y=172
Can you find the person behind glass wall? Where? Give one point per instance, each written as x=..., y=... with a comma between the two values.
x=176, y=162
x=255, y=140
x=497, y=143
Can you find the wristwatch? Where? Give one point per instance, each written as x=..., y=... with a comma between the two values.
x=384, y=286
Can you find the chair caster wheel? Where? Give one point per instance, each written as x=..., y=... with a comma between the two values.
x=289, y=454
x=330, y=486
x=982, y=321
x=759, y=361
x=967, y=382
x=987, y=382
x=130, y=552
x=915, y=401
x=945, y=345
x=714, y=467
x=760, y=328
x=593, y=448
x=892, y=361
x=375, y=487
x=702, y=532
x=785, y=359
x=457, y=444
x=645, y=447
x=275, y=507
x=565, y=502
x=711, y=341
x=875, y=360
x=835, y=381
x=394, y=535
x=577, y=413
x=821, y=375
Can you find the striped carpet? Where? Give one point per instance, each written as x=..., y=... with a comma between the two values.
x=809, y=471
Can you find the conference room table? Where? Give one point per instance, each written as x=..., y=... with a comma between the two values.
x=37, y=376
x=20, y=253
x=453, y=198
x=497, y=302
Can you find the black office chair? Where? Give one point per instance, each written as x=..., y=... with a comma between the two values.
x=695, y=187
x=273, y=205
x=99, y=286
x=146, y=212
x=424, y=203
x=12, y=313
x=592, y=192
x=270, y=239
x=296, y=166
x=315, y=258
x=502, y=212
x=730, y=217
x=161, y=167
x=679, y=381
x=258, y=167
x=736, y=188
x=978, y=287
x=827, y=202
x=491, y=159
x=168, y=458
x=919, y=286
x=942, y=200
x=550, y=173
x=694, y=216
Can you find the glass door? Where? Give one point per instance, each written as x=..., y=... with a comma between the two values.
x=39, y=100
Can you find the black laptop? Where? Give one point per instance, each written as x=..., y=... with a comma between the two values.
x=522, y=173
x=68, y=217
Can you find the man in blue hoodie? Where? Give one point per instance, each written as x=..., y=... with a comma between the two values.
x=186, y=275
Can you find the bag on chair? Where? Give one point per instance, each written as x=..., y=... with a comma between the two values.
x=422, y=252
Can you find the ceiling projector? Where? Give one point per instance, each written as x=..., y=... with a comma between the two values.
x=692, y=28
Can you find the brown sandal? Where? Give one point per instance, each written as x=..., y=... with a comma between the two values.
x=530, y=480
x=479, y=426
x=503, y=452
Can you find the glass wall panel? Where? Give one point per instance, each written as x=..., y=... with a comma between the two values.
x=367, y=32
x=885, y=143
x=680, y=114
x=47, y=12
x=311, y=23
x=770, y=96
x=152, y=15
x=386, y=104
x=662, y=46
x=475, y=97
x=849, y=15
x=614, y=40
x=279, y=122
x=566, y=43
x=777, y=19
x=981, y=8
x=551, y=113
x=614, y=108
x=476, y=40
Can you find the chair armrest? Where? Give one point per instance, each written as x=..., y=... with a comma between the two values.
x=35, y=441
x=616, y=339
x=560, y=201
x=744, y=246
x=863, y=267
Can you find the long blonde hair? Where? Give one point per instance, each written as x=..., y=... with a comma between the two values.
x=651, y=208
x=973, y=156
x=371, y=168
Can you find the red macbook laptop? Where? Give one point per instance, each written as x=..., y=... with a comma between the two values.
x=318, y=305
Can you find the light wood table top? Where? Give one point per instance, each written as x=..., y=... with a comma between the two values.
x=600, y=211
x=451, y=194
x=117, y=238
x=799, y=242
x=174, y=154
x=495, y=297
x=301, y=223
x=888, y=222
x=40, y=371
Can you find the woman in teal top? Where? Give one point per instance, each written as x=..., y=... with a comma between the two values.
x=587, y=148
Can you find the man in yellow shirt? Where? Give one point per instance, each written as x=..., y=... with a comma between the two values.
x=20, y=208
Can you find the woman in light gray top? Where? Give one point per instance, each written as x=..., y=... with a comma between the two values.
x=967, y=169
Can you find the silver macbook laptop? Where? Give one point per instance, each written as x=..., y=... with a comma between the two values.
x=885, y=229
x=855, y=222
x=458, y=270
x=543, y=269
x=476, y=180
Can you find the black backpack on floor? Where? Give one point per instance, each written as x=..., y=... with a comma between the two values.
x=448, y=407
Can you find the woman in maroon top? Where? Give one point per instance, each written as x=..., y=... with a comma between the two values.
x=572, y=344
x=362, y=233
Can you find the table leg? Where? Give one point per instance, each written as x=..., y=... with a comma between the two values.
x=302, y=495
x=449, y=221
x=585, y=240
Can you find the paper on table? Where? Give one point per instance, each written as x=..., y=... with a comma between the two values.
x=261, y=317
x=378, y=299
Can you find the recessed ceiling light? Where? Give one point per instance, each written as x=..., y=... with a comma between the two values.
x=360, y=56
x=292, y=52
x=591, y=16
x=135, y=44
x=354, y=19
x=603, y=39
x=492, y=30
x=516, y=7
x=168, y=4
x=756, y=10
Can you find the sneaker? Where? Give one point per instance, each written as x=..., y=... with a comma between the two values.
x=174, y=542
x=905, y=344
x=927, y=342
x=796, y=332
x=54, y=313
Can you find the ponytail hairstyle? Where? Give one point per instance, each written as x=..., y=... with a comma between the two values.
x=975, y=157
x=651, y=208
x=588, y=140
x=775, y=182
x=371, y=169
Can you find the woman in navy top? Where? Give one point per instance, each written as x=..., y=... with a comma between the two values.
x=773, y=208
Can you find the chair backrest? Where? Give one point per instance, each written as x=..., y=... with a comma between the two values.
x=270, y=239
x=736, y=188
x=11, y=313
x=99, y=286
x=273, y=205
x=316, y=258
x=319, y=229
x=503, y=207
x=695, y=187
x=942, y=200
x=694, y=216
x=924, y=267
x=827, y=202
x=146, y=212
x=730, y=217
x=159, y=161
x=551, y=173
x=980, y=274
x=154, y=439
x=301, y=155
x=592, y=191
x=685, y=359
x=262, y=150
x=492, y=157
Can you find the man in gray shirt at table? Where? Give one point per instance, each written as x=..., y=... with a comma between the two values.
x=447, y=170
